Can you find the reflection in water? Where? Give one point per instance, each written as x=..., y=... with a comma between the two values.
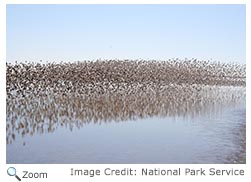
x=44, y=97
x=45, y=112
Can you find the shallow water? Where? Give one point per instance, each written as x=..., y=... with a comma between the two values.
x=126, y=112
x=212, y=137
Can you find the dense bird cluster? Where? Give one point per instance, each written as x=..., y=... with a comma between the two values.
x=43, y=97
x=72, y=77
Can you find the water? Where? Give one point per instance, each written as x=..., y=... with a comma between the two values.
x=212, y=137
x=126, y=112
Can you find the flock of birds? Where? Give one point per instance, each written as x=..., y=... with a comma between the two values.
x=42, y=97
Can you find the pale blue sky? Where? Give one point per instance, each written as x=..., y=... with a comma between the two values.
x=87, y=32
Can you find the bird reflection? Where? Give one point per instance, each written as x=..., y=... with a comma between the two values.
x=44, y=97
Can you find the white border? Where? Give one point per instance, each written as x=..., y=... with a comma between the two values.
x=125, y=1
x=61, y=172
x=248, y=74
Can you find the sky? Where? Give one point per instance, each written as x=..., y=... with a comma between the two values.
x=90, y=32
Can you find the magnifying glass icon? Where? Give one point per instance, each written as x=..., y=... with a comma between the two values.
x=11, y=171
